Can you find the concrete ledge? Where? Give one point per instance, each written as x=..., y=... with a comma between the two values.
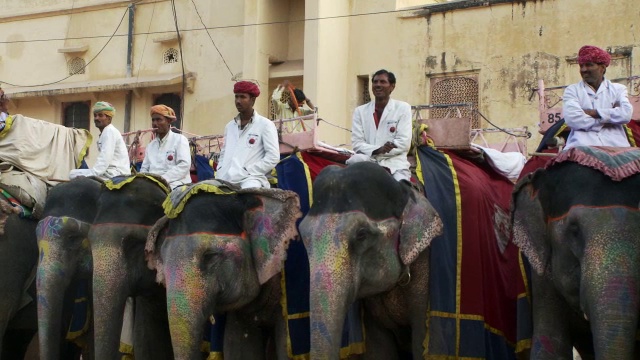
x=98, y=86
x=462, y=4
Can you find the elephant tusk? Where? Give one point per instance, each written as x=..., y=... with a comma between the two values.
x=405, y=277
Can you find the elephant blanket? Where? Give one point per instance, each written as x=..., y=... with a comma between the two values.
x=478, y=281
x=41, y=148
x=615, y=162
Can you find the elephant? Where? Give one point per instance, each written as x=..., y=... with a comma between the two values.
x=580, y=231
x=366, y=235
x=64, y=262
x=127, y=209
x=221, y=251
x=18, y=259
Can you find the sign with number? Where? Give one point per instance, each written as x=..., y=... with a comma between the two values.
x=548, y=118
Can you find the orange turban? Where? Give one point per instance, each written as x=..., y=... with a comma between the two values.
x=246, y=87
x=163, y=110
x=594, y=55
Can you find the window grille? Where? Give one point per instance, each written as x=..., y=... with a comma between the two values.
x=77, y=114
x=76, y=66
x=170, y=56
x=455, y=90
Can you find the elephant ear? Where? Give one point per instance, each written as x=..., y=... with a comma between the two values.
x=528, y=224
x=270, y=222
x=152, y=248
x=420, y=224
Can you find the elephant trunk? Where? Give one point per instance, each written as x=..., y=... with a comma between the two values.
x=329, y=302
x=188, y=307
x=60, y=247
x=611, y=297
x=52, y=278
x=109, y=296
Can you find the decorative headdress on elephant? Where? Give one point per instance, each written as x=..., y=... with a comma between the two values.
x=269, y=222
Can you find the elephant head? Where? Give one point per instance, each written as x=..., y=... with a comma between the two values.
x=361, y=231
x=127, y=209
x=579, y=229
x=217, y=252
x=65, y=256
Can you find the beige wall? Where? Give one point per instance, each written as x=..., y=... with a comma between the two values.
x=508, y=46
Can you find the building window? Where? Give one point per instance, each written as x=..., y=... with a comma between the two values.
x=76, y=66
x=455, y=90
x=76, y=114
x=363, y=90
x=170, y=56
x=173, y=101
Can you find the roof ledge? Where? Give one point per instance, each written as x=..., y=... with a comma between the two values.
x=78, y=49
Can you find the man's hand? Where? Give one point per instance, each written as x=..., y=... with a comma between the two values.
x=388, y=146
x=592, y=112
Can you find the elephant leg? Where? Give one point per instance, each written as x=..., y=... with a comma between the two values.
x=551, y=322
x=380, y=343
x=243, y=340
x=280, y=336
x=152, y=339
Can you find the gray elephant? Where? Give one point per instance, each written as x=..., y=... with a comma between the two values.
x=367, y=235
x=580, y=230
x=64, y=262
x=127, y=209
x=221, y=249
x=18, y=259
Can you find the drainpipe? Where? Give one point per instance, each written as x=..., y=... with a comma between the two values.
x=129, y=95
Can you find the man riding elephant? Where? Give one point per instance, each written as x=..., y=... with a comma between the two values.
x=113, y=158
x=168, y=154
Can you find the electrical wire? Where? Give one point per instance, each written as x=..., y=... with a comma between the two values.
x=210, y=37
x=209, y=28
x=184, y=77
x=85, y=65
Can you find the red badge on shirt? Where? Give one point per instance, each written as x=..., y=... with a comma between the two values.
x=392, y=129
x=252, y=139
x=170, y=157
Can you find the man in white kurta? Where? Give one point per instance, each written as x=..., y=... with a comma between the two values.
x=251, y=147
x=595, y=109
x=381, y=129
x=167, y=155
x=113, y=157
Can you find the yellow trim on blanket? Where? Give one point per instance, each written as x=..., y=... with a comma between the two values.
x=457, y=316
x=473, y=317
x=632, y=140
x=74, y=335
x=523, y=345
x=524, y=278
x=7, y=126
x=419, y=169
x=285, y=315
x=109, y=184
x=456, y=185
x=126, y=349
x=172, y=212
x=85, y=149
x=215, y=356
x=307, y=173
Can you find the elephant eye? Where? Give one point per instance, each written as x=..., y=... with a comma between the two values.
x=361, y=234
x=210, y=259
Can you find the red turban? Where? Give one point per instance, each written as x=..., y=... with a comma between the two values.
x=246, y=87
x=594, y=55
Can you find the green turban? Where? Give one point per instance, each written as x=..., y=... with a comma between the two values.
x=104, y=107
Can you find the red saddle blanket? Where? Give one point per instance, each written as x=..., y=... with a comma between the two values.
x=617, y=163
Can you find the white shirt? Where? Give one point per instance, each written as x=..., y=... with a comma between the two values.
x=283, y=110
x=394, y=126
x=589, y=131
x=113, y=158
x=170, y=158
x=249, y=154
